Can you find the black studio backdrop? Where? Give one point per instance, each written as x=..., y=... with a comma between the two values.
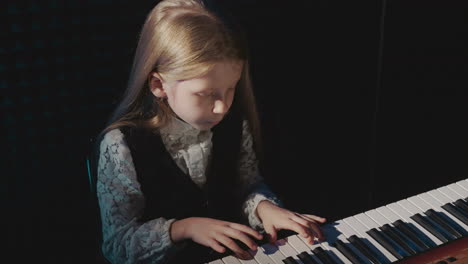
x=362, y=103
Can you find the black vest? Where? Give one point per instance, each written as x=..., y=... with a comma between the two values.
x=170, y=193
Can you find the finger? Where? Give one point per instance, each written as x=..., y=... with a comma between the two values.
x=217, y=247
x=305, y=223
x=302, y=230
x=315, y=218
x=229, y=243
x=247, y=230
x=318, y=231
x=241, y=236
x=271, y=231
x=310, y=240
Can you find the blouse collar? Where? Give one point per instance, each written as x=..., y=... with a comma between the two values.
x=177, y=128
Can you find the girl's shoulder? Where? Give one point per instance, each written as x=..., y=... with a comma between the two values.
x=112, y=137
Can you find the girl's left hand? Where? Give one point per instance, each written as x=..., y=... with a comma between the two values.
x=275, y=218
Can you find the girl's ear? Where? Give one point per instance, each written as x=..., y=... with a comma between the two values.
x=156, y=85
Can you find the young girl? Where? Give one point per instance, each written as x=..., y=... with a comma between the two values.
x=178, y=176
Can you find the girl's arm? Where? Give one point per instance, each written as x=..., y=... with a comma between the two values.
x=125, y=240
x=253, y=183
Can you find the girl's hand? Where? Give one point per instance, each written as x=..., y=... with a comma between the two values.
x=275, y=218
x=216, y=234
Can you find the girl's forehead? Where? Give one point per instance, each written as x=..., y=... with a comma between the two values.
x=225, y=69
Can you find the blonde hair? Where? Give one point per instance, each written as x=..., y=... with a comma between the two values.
x=181, y=39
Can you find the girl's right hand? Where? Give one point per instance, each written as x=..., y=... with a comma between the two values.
x=216, y=234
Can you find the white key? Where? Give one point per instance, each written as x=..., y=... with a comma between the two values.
x=406, y=209
x=361, y=229
x=449, y=193
x=230, y=260
x=248, y=261
x=389, y=214
x=300, y=246
x=287, y=250
x=218, y=261
x=437, y=199
x=378, y=217
x=272, y=251
x=260, y=257
x=463, y=184
x=458, y=189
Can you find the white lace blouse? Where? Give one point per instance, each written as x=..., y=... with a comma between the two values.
x=121, y=200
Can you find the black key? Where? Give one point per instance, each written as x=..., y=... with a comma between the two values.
x=411, y=234
x=455, y=212
x=366, y=251
x=387, y=244
x=290, y=260
x=463, y=201
x=323, y=256
x=306, y=258
x=454, y=227
x=402, y=241
x=429, y=227
x=442, y=223
x=462, y=205
x=348, y=252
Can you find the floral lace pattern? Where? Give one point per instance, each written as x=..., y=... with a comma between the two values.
x=121, y=200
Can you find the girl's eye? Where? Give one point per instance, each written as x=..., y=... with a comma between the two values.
x=205, y=94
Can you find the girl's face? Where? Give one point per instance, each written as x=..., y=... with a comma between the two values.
x=202, y=102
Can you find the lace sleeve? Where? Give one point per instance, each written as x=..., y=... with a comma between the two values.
x=253, y=183
x=121, y=201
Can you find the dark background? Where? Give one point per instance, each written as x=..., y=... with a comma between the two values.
x=362, y=103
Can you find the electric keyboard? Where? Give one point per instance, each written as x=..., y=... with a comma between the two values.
x=430, y=227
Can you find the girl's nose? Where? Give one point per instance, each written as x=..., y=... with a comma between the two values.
x=220, y=107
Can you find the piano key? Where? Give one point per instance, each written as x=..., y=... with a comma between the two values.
x=436, y=199
x=411, y=234
x=463, y=184
x=290, y=260
x=272, y=251
x=323, y=256
x=387, y=244
x=331, y=251
x=218, y=261
x=430, y=227
x=406, y=209
x=385, y=241
x=403, y=223
x=288, y=250
x=300, y=246
x=348, y=252
x=345, y=233
x=331, y=234
x=260, y=256
x=366, y=250
x=440, y=221
x=424, y=206
x=307, y=258
x=451, y=193
x=230, y=260
x=248, y=261
x=457, y=189
x=462, y=205
x=386, y=227
x=403, y=241
x=455, y=212
x=361, y=229
x=417, y=237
